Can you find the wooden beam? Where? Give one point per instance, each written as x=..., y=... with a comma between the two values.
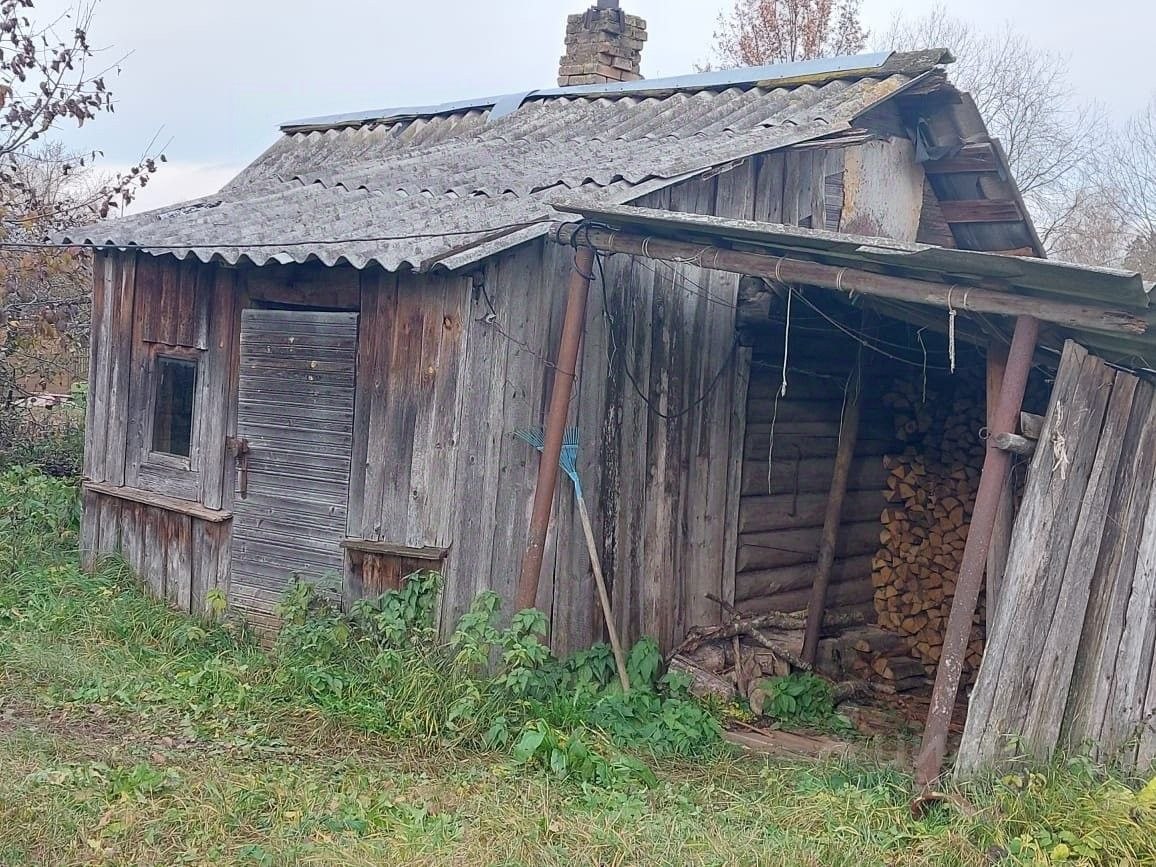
x=370, y=547
x=1021, y=252
x=848, y=436
x=781, y=269
x=1031, y=425
x=1001, y=534
x=160, y=501
x=1015, y=444
x=971, y=158
x=981, y=211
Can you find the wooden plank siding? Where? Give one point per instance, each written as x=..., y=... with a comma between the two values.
x=145, y=306
x=451, y=365
x=660, y=488
x=1070, y=656
x=411, y=353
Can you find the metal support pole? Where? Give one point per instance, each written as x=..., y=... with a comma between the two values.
x=565, y=373
x=1005, y=515
x=991, y=484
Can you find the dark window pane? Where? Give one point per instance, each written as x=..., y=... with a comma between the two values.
x=173, y=416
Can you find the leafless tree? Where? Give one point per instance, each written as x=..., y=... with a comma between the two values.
x=1113, y=222
x=47, y=81
x=1092, y=232
x=1129, y=172
x=762, y=32
x=1027, y=99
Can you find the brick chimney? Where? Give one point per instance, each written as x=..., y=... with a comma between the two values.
x=603, y=44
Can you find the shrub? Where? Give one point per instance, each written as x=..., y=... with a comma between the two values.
x=490, y=686
x=52, y=441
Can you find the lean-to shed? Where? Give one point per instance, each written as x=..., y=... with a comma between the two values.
x=318, y=372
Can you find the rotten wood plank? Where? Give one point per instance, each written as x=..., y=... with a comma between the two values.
x=160, y=501
x=1037, y=563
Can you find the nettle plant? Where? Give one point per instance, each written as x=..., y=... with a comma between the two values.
x=493, y=685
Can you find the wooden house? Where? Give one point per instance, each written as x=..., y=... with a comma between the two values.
x=318, y=372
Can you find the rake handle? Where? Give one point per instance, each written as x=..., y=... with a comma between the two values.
x=600, y=580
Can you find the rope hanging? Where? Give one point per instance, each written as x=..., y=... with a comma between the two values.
x=786, y=339
x=951, y=330
x=782, y=392
x=951, y=312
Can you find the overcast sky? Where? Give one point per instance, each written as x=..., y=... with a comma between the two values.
x=214, y=78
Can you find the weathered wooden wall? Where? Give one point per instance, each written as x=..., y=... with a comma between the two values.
x=661, y=405
x=407, y=424
x=179, y=557
x=449, y=366
x=145, y=306
x=1069, y=660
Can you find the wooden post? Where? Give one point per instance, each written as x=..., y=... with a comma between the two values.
x=848, y=437
x=1005, y=514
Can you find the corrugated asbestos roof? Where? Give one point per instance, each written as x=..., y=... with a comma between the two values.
x=1026, y=276
x=450, y=185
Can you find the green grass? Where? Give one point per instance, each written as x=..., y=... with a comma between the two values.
x=131, y=735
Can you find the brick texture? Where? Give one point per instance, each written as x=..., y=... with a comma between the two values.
x=602, y=45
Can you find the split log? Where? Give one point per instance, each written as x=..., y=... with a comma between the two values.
x=703, y=683
x=930, y=492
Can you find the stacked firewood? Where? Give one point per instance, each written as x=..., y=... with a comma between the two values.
x=930, y=493
x=731, y=659
x=883, y=659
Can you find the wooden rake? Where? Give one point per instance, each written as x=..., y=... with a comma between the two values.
x=568, y=461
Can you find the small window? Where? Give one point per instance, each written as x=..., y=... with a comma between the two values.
x=176, y=381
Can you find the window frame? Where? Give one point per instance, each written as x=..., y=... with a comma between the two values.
x=168, y=460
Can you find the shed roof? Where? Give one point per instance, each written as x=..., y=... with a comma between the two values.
x=449, y=185
x=1113, y=288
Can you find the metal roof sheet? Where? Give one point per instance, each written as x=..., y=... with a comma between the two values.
x=720, y=78
x=1026, y=276
x=421, y=191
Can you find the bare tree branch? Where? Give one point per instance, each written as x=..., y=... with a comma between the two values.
x=762, y=32
x=1027, y=99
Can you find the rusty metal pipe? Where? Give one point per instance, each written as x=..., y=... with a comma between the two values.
x=565, y=373
x=996, y=463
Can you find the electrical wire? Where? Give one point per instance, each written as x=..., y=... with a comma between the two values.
x=620, y=344
x=863, y=340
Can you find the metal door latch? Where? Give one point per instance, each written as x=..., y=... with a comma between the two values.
x=238, y=447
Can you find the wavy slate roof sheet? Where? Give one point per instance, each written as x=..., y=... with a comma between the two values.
x=450, y=185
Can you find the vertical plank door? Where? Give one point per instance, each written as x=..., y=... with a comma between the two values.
x=295, y=410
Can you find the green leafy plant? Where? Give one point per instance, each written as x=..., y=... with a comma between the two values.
x=800, y=698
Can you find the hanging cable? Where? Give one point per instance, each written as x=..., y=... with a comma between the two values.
x=782, y=390
x=621, y=343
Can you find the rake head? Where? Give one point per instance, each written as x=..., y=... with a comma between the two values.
x=568, y=460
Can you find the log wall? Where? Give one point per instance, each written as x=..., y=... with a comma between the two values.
x=786, y=479
x=1082, y=563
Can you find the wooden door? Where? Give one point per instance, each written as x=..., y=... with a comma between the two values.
x=295, y=419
